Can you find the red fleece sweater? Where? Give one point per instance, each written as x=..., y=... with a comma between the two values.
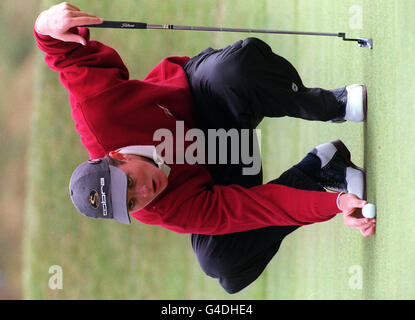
x=111, y=111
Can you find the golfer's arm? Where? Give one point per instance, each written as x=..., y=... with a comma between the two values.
x=85, y=71
x=228, y=209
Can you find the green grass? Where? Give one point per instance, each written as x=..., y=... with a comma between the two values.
x=104, y=260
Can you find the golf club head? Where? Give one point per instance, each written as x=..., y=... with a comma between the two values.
x=365, y=43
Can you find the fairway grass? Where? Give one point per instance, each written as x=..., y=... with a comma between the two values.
x=108, y=260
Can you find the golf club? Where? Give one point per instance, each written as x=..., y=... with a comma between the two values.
x=364, y=43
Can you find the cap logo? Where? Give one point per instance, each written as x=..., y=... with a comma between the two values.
x=103, y=197
x=94, y=199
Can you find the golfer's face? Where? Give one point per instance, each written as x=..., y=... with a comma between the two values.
x=145, y=181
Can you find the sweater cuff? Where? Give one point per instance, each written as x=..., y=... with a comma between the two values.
x=337, y=201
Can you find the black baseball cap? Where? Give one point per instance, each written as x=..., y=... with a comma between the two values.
x=99, y=190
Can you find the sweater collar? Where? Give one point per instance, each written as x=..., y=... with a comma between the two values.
x=149, y=152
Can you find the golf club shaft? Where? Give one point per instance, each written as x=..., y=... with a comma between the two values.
x=366, y=43
x=142, y=25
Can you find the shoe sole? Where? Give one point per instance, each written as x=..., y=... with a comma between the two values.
x=345, y=153
x=364, y=103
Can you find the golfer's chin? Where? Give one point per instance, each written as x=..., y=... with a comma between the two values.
x=149, y=201
x=160, y=182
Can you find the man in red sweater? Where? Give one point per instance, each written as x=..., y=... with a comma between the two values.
x=237, y=223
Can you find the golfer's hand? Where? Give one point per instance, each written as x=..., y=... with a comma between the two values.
x=58, y=19
x=351, y=206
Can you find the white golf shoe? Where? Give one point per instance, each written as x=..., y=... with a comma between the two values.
x=354, y=97
x=338, y=172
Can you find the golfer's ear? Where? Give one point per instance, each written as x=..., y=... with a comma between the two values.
x=117, y=156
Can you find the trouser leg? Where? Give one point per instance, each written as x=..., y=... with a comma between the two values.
x=238, y=259
x=247, y=81
x=280, y=91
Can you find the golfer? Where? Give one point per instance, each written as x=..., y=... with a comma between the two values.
x=236, y=222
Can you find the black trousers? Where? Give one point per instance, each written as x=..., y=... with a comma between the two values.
x=236, y=87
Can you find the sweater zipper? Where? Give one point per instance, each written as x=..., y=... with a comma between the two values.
x=166, y=111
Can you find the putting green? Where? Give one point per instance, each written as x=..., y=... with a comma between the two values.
x=102, y=260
